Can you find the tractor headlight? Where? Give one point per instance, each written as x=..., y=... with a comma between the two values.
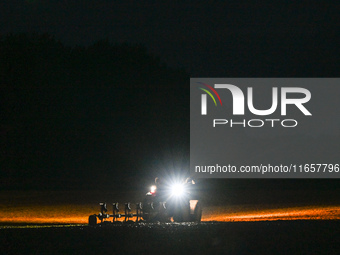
x=177, y=189
x=153, y=189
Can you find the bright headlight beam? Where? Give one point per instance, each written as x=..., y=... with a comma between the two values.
x=177, y=189
x=153, y=189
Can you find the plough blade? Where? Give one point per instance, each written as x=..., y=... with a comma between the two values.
x=127, y=215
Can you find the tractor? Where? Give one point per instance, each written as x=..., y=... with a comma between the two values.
x=165, y=202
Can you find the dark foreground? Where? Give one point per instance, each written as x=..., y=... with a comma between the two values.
x=275, y=237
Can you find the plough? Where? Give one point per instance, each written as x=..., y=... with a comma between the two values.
x=128, y=214
x=177, y=201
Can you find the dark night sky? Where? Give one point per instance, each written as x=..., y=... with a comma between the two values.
x=227, y=38
x=224, y=39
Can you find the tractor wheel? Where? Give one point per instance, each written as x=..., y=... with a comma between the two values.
x=93, y=220
x=178, y=217
x=198, y=213
x=182, y=213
